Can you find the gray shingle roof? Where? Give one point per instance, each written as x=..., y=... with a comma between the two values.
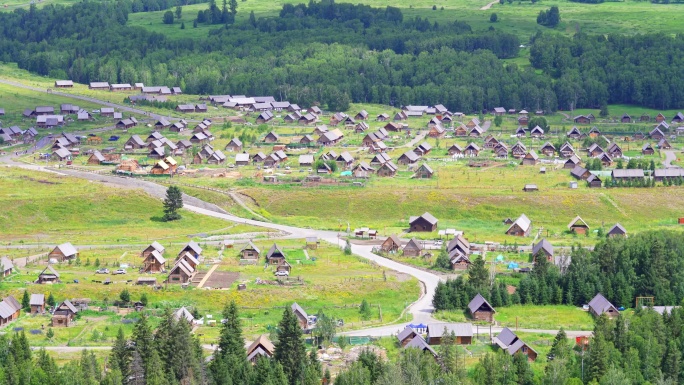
x=37, y=299
x=298, y=309
x=543, y=245
x=251, y=246
x=419, y=343
x=600, y=304
x=67, y=249
x=459, y=329
x=477, y=302
x=426, y=216
x=523, y=222
x=405, y=333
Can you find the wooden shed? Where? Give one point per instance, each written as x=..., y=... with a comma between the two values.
x=479, y=309
x=423, y=223
x=412, y=248
x=63, y=252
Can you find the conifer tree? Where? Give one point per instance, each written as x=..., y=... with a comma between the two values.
x=121, y=355
x=230, y=339
x=289, y=350
x=26, y=301
x=144, y=340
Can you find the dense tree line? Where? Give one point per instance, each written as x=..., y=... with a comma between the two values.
x=170, y=354
x=644, y=348
x=593, y=70
x=332, y=53
x=646, y=264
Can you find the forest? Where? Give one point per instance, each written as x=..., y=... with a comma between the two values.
x=649, y=264
x=326, y=52
x=639, y=348
x=644, y=348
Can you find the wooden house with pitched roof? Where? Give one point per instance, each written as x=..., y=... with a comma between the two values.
x=578, y=226
x=479, y=309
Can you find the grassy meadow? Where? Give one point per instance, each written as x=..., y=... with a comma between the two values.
x=81, y=212
x=517, y=17
x=332, y=281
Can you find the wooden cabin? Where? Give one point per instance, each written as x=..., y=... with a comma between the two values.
x=479, y=309
x=64, y=314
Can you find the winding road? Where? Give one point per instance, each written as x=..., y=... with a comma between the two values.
x=421, y=310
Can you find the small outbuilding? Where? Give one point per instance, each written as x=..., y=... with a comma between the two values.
x=479, y=309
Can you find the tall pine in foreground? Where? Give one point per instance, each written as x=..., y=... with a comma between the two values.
x=230, y=365
x=289, y=350
x=172, y=203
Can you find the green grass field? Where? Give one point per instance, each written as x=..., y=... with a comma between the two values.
x=518, y=17
x=551, y=317
x=333, y=282
x=78, y=211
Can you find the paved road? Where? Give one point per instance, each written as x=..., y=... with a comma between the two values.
x=670, y=157
x=421, y=310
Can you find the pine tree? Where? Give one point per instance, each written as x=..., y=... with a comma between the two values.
x=597, y=364
x=372, y=362
x=524, y=373
x=51, y=300
x=672, y=361
x=447, y=352
x=233, y=7
x=121, y=355
x=252, y=19
x=155, y=374
x=163, y=341
x=224, y=12
x=365, y=310
x=314, y=364
x=289, y=350
x=478, y=275
x=230, y=339
x=143, y=338
x=560, y=348
x=327, y=377
x=26, y=301
x=172, y=203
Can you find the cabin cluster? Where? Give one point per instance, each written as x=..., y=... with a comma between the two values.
x=424, y=337
x=275, y=257
x=185, y=265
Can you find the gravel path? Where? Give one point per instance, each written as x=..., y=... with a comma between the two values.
x=486, y=7
x=670, y=157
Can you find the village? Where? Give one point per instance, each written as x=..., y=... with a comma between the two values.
x=212, y=145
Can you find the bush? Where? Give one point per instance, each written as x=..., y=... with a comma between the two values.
x=168, y=17
x=493, y=18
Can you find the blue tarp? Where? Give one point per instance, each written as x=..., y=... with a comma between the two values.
x=346, y=173
x=513, y=265
x=500, y=258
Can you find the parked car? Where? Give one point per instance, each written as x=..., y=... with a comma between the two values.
x=102, y=271
x=439, y=242
x=282, y=273
x=119, y=271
